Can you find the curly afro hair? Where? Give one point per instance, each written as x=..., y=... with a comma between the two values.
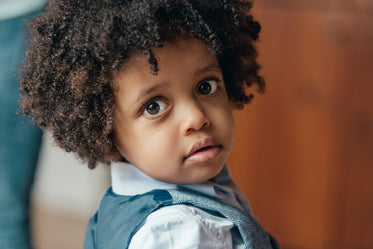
x=78, y=46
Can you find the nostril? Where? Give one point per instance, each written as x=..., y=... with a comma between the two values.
x=206, y=123
x=194, y=120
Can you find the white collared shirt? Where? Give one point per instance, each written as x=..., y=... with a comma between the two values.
x=180, y=226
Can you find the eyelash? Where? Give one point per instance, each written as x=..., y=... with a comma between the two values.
x=146, y=103
x=218, y=80
x=212, y=77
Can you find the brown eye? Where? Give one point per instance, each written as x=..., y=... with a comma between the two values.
x=207, y=87
x=155, y=107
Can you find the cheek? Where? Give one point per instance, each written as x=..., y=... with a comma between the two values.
x=161, y=142
x=230, y=126
x=226, y=126
x=152, y=146
x=127, y=137
x=224, y=119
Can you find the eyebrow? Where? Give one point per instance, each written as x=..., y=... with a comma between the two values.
x=149, y=90
x=145, y=92
x=208, y=68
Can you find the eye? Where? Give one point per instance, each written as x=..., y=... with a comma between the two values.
x=155, y=107
x=208, y=87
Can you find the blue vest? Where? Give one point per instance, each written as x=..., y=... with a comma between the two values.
x=120, y=217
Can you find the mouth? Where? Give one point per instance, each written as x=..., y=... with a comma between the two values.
x=203, y=151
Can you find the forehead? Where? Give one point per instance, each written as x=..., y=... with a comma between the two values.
x=183, y=57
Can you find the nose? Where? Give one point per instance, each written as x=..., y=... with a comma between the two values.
x=193, y=118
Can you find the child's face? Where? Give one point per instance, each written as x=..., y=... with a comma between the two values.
x=176, y=126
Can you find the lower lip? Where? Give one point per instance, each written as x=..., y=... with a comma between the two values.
x=205, y=155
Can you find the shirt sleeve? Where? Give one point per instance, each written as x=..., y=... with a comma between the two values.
x=181, y=227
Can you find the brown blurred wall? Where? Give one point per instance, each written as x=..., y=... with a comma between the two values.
x=304, y=150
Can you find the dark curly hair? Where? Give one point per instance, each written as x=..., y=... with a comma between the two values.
x=78, y=46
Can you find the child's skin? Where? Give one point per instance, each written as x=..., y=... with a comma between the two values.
x=161, y=120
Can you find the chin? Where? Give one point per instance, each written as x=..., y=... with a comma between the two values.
x=211, y=174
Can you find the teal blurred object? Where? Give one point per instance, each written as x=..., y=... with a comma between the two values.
x=19, y=141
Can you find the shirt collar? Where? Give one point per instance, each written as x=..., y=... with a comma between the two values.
x=129, y=180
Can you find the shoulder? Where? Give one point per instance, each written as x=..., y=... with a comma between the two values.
x=182, y=226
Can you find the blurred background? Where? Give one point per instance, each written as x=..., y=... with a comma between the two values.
x=304, y=150
x=65, y=195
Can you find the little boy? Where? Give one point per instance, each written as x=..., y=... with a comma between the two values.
x=149, y=86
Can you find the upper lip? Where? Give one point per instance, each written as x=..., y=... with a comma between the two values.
x=207, y=142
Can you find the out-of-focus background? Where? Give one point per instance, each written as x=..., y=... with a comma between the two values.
x=304, y=150
x=65, y=195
